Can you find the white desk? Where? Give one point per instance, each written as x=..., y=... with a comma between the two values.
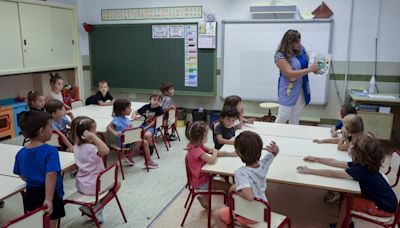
x=287, y=130
x=10, y=186
x=301, y=147
x=7, y=159
x=94, y=111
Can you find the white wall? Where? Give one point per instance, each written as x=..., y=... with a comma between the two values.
x=364, y=25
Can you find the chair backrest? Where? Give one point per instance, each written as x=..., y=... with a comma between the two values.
x=132, y=135
x=54, y=140
x=394, y=168
x=159, y=121
x=171, y=117
x=213, y=126
x=77, y=104
x=256, y=210
x=33, y=219
x=106, y=180
x=188, y=175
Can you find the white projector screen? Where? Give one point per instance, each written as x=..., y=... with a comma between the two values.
x=248, y=49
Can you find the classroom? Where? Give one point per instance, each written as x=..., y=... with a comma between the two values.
x=199, y=113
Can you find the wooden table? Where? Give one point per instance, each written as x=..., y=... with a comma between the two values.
x=94, y=111
x=287, y=130
x=10, y=186
x=7, y=159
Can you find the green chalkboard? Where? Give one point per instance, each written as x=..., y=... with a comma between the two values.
x=129, y=58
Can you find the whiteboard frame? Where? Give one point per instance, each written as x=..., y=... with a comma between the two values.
x=271, y=21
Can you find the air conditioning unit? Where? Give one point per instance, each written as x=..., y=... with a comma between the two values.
x=275, y=12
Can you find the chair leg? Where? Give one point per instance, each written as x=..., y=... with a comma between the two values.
x=188, y=209
x=155, y=148
x=164, y=140
x=120, y=164
x=120, y=208
x=187, y=200
x=94, y=217
x=176, y=131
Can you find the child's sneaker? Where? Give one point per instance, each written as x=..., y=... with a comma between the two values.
x=129, y=161
x=152, y=164
x=332, y=197
x=171, y=137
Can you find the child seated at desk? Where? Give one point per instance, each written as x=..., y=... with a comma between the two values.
x=168, y=91
x=57, y=85
x=198, y=155
x=60, y=122
x=250, y=179
x=236, y=102
x=122, y=109
x=102, y=97
x=88, y=152
x=36, y=100
x=378, y=198
x=224, y=130
x=38, y=164
x=150, y=112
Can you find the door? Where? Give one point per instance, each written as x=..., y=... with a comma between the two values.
x=10, y=38
x=36, y=35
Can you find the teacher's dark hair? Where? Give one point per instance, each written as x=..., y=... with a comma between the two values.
x=286, y=46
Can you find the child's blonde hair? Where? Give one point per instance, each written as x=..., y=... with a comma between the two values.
x=353, y=123
x=79, y=125
x=366, y=151
x=196, y=132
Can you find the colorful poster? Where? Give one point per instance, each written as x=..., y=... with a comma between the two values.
x=191, y=76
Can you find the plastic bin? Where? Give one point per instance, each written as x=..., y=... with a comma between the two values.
x=214, y=116
x=199, y=115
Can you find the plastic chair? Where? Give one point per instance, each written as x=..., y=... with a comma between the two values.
x=394, y=162
x=257, y=210
x=170, y=123
x=77, y=104
x=129, y=136
x=106, y=184
x=159, y=129
x=195, y=192
x=33, y=219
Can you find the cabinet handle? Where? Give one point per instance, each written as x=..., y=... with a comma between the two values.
x=73, y=42
x=51, y=49
x=24, y=42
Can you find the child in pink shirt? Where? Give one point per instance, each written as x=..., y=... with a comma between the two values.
x=198, y=155
x=88, y=152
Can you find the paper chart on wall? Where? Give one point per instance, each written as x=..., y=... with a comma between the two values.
x=176, y=31
x=160, y=31
x=191, y=61
x=207, y=34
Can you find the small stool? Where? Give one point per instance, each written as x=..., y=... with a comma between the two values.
x=269, y=106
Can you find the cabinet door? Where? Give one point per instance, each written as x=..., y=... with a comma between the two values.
x=62, y=33
x=36, y=37
x=10, y=38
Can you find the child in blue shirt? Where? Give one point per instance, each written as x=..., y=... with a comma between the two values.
x=122, y=109
x=60, y=122
x=378, y=198
x=38, y=164
x=150, y=112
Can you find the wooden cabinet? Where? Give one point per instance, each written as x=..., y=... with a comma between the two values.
x=379, y=124
x=10, y=38
x=37, y=36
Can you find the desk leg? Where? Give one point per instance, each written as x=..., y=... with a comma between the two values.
x=209, y=200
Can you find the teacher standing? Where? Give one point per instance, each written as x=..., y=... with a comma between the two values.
x=293, y=87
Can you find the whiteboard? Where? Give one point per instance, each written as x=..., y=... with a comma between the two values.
x=248, y=48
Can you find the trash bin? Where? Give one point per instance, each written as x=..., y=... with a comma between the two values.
x=180, y=114
x=199, y=115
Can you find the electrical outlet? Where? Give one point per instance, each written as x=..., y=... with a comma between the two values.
x=132, y=96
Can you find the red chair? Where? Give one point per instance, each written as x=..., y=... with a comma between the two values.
x=159, y=125
x=33, y=219
x=106, y=184
x=195, y=192
x=257, y=210
x=170, y=123
x=129, y=136
x=395, y=162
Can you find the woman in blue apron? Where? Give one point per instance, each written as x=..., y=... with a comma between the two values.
x=293, y=87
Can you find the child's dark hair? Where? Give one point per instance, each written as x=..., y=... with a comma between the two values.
x=232, y=101
x=33, y=96
x=119, y=107
x=248, y=146
x=353, y=123
x=54, y=78
x=156, y=94
x=53, y=105
x=166, y=86
x=79, y=125
x=366, y=151
x=347, y=109
x=196, y=132
x=229, y=112
x=31, y=122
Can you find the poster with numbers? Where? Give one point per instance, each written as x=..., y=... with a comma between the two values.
x=191, y=72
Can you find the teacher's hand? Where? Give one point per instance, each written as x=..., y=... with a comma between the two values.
x=313, y=68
